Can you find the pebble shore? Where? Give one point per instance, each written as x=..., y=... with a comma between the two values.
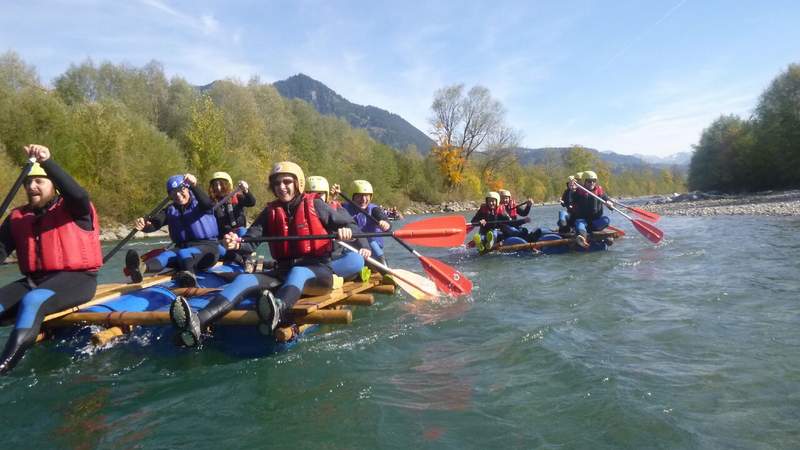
x=770, y=203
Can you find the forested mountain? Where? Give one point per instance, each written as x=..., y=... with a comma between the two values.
x=618, y=163
x=382, y=125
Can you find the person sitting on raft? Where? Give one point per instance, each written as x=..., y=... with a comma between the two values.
x=192, y=228
x=57, y=239
x=569, y=199
x=298, y=263
x=590, y=215
x=515, y=212
x=231, y=214
x=362, y=196
x=489, y=213
x=319, y=185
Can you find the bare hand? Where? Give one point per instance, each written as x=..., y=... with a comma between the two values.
x=530, y=200
x=39, y=152
x=190, y=179
x=384, y=225
x=365, y=252
x=140, y=223
x=243, y=186
x=344, y=234
x=610, y=204
x=482, y=222
x=335, y=190
x=231, y=241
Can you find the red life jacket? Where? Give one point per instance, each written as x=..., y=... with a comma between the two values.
x=304, y=223
x=512, y=208
x=498, y=210
x=53, y=242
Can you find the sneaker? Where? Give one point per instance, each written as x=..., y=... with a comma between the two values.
x=478, y=242
x=185, y=320
x=489, y=240
x=133, y=266
x=269, y=309
x=184, y=279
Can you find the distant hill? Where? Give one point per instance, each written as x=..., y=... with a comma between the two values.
x=616, y=162
x=681, y=159
x=382, y=125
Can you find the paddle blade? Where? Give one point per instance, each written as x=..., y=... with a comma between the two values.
x=620, y=232
x=437, y=237
x=415, y=285
x=447, y=279
x=644, y=214
x=648, y=230
x=442, y=223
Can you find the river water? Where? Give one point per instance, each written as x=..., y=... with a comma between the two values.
x=694, y=343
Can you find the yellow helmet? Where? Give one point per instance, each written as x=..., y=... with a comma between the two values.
x=362, y=187
x=504, y=193
x=494, y=195
x=318, y=184
x=589, y=175
x=290, y=168
x=579, y=176
x=37, y=171
x=222, y=176
x=571, y=177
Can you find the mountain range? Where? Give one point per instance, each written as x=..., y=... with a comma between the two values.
x=382, y=125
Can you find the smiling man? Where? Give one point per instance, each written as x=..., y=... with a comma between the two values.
x=57, y=239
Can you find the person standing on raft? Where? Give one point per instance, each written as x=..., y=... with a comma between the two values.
x=192, y=228
x=57, y=239
x=298, y=263
x=231, y=214
x=590, y=215
x=362, y=199
x=490, y=211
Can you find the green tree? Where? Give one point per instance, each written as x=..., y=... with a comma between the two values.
x=206, y=138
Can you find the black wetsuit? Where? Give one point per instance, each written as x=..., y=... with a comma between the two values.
x=232, y=217
x=32, y=298
x=192, y=255
x=501, y=216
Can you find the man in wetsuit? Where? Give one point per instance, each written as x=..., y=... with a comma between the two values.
x=57, y=239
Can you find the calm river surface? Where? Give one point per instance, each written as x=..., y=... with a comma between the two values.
x=694, y=343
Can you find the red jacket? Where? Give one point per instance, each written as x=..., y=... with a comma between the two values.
x=304, y=223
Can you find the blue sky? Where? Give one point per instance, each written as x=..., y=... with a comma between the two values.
x=629, y=76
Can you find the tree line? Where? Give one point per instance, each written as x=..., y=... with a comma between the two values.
x=758, y=153
x=122, y=130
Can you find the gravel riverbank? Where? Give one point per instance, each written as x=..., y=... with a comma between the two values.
x=769, y=203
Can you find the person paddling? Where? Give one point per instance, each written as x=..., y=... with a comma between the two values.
x=57, y=239
x=569, y=201
x=514, y=211
x=294, y=212
x=362, y=201
x=192, y=228
x=230, y=213
x=590, y=215
x=490, y=211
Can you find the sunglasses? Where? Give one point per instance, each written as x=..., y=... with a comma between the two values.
x=283, y=181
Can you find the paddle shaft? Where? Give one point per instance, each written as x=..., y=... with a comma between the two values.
x=17, y=184
x=599, y=198
x=316, y=237
x=383, y=267
x=133, y=232
x=223, y=200
x=377, y=222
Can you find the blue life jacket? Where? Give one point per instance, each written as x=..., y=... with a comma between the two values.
x=364, y=223
x=192, y=224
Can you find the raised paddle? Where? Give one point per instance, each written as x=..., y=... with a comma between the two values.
x=447, y=279
x=415, y=285
x=644, y=214
x=17, y=184
x=133, y=232
x=227, y=197
x=647, y=230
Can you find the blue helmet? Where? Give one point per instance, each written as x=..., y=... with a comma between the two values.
x=174, y=182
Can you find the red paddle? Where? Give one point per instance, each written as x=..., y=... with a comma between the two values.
x=644, y=214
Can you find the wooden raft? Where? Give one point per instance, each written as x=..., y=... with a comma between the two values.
x=318, y=306
x=568, y=240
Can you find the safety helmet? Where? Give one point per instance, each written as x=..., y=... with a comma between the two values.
x=318, y=184
x=505, y=193
x=494, y=195
x=579, y=176
x=174, y=182
x=222, y=176
x=37, y=171
x=290, y=168
x=362, y=187
x=571, y=177
x=589, y=175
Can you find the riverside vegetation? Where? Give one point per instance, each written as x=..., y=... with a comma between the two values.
x=122, y=130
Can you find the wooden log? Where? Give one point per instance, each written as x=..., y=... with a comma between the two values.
x=193, y=291
x=152, y=318
x=387, y=289
x=285, y=334
x=359, y=300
